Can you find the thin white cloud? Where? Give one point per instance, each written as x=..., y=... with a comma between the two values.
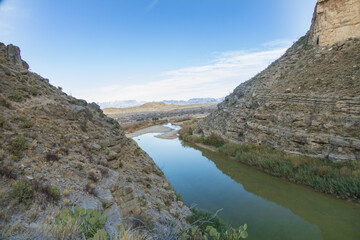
x=6, y=18
x=152, y=4
x=216, y=79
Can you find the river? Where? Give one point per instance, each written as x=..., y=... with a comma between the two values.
x=273, y=208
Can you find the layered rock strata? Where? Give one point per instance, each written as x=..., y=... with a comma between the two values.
x=308, y=101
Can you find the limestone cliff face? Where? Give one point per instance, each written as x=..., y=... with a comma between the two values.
x=334, y=21
x=307, y=102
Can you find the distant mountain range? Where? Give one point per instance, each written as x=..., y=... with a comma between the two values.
x=134, y=103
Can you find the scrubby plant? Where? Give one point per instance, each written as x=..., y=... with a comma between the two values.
x=18, y=145
x=214, y=140
x=22, y=191
x=92, y=175
x=2, y=122
x=205, y=225
x=102, y=115
x=4, y=103
x=34, y=91
x=83, y=126
x=51, y=157
x=179, y=197
x=90, y=221
x=114, y=122
x=52, y=193
x=7, y=170
x=18, y=96
x=90, y=188
x=26, y=124
x=104, y=172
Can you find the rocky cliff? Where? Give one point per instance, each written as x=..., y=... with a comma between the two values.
x=308, y=101
x=335, y=21
x=58, y=151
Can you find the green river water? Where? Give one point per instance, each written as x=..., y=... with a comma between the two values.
x=273, y=208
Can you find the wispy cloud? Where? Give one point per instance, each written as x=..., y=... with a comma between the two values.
x=152, y=4
x=6, y=18
x=216, y=79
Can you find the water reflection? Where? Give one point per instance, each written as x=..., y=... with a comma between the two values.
x=273, y=208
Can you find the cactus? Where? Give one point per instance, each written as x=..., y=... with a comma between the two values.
x=101, y=235
x=90, y=221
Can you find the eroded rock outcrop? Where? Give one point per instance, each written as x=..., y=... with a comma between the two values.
x=308, y=101
x=335, y=21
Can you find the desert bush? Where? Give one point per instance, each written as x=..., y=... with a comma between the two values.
x=18, y=96
x=23, y=192
x=2, y=122
x=214, y=140
x=206, y=225
x=104, y=172
x=52, y=193
x=114, y=122
x=345, y=171
x=34, y=91
x=92, y=176
x=26, y=124
x=7, y=171
x=4, y=103
x=18, y=145
x=90, y=188
x=51, y=157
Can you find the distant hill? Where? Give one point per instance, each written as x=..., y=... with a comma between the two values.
x=134, y=103
x=120, y=104
x=194, y=101
x=154, y=107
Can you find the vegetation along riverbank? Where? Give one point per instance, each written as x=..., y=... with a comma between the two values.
x=338, y=179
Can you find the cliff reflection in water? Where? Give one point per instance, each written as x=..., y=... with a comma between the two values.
x=328, y=213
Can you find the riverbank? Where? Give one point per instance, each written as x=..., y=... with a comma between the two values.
x=152, y=129
x=341, y=180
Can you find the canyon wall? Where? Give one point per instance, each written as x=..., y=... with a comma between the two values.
x=335, y=21
x=308, y=101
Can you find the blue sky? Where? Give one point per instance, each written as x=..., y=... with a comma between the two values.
x=151, y=49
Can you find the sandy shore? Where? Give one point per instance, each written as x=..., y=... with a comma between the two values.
x=152, y=129
x=168, y=135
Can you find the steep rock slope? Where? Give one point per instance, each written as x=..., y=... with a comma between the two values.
x=307, y=102
x=48, y=138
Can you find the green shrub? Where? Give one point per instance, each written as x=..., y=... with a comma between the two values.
x=23, y=192
x=54, y=193
x=214, y=140
x=34, y=91
x=114, y=122
x=26, y=124
x=4, y=103
x=208, y=226
x=90, y=221
x=18, y=96
x=18, y=145
x=2, y=122
x=179, y=197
